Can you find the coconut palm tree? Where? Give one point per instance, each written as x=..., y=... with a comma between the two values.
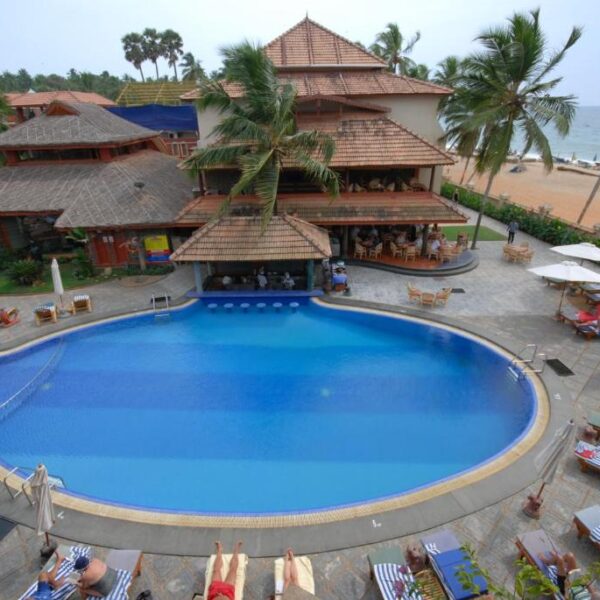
x=134, y=51
x=5, y=111
x=508, y=89
x=172, y=47
x=191, y=67
x=152, y=46
x=447, y=72
x=419, y=71
x=258, y=132
x=391, y=46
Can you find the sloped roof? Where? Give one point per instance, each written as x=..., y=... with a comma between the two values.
x=308, y=44
x=74, y=124
x=236, y=239
x=363, y=140
x=99, y=194
x=137, y=93
x=36, y=99
x=360, y=208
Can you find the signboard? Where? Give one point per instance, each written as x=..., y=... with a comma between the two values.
x=157, y=248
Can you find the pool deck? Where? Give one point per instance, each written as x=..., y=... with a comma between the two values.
x=504, y=302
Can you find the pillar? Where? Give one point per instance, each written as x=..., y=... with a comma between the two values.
x=425, y=238
x=432, y=179
x=198, y=276
x=345, y=241
x=310, y=275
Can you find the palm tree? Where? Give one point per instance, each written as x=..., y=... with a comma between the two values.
x=172, y=47
x=191, y=67
x=390, y=46
x=258, y=132
x=447, y=72
x=152, y=47
x=508, y=89
x=134, y=52
x=5, y=111
x=420, y=71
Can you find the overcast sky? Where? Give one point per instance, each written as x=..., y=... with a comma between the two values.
x=47, y=36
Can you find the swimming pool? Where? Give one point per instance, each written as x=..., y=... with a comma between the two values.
x=237, y=413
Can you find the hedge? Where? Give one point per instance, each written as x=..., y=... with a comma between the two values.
x=544, y=228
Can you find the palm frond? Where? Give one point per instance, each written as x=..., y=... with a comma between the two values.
x=215, y=156
x=251, y=166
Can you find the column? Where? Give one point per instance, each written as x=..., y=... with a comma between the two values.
x=425, y=238
x=432, y=179
x=345, y=242
x=198, y=276
x=310, y=275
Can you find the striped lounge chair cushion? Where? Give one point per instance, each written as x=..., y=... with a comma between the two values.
x=396, y=581
x=44, y=307
x=119, y=591
x=589, y=453
x=595, y=535
x=81, y=298
x=432, y=549
x=65, y=569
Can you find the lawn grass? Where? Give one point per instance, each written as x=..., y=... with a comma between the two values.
x=67, y=271
x=485, y=233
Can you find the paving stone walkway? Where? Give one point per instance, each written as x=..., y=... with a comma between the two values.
x=501, y=296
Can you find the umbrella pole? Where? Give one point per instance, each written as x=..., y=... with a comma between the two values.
x=562, y=296
x=541, y=489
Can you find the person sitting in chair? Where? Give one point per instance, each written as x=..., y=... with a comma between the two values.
x=339, y=280
x=288, y=282
x=261, y=279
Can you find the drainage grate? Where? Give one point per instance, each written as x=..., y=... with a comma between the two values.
x=559, y=367
x=458, y=291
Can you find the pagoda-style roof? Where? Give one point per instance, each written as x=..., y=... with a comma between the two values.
x=310, y=45
x=382, y=208
x=140, y=93
x=139, y=189
x=236, y=239
x=39, y=99
x=73, y=125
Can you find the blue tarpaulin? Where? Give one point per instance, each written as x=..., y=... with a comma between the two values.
x=159, y=117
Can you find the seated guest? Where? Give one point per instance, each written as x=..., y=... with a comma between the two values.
x=288, y=282
x=261, y=279
x=339, y=279
x=97, y=578
x=435, y=245
x=47, y=581
x=419, y=242
x=227, y=281
x=373, y=232
x=401, y=238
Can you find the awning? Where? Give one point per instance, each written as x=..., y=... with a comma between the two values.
x=382, y=208
x=236, y=239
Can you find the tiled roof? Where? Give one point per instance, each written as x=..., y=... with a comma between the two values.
x=136, y=93
x=99, y=194
x=74, y=125
x=36, y=99
x=309, y=44
x=243, y=239
x=365, y=140
x=360, y=207
x=345, y=83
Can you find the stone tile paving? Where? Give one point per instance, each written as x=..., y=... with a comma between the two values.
x=504, y=298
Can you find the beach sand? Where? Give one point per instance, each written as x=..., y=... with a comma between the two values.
x=566, y=191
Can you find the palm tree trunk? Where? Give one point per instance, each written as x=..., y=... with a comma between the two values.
x=142, y=73
x=156, y=67
x=589, y=201
x=175, y=69
x=465, y=170
x=481, y=208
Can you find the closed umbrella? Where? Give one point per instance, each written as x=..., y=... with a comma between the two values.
x=40, y=491
x=584, y=251
x=567, y=271
x=57, y=280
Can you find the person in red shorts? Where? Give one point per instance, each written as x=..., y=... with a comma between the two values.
x=219, y=588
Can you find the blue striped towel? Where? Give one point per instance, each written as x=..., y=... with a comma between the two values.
x=65, y=570
x=396, y=581
x=595, y=535
x=432, y=549
x=552, y=573
x=119, y=591
x=585, y=447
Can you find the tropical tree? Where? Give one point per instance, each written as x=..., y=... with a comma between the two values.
x=134, y=51
x=258, y=131
x=447, y=72
x=152, y=46
x=5, y=111
x=191, y=67
x=508, y=89
x=172, y=47
x=420, y=71
x=394, y=49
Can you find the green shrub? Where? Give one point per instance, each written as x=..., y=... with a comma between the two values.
x=547, y=229
x=83, y=265
x=7, y=258
x=25, y=272
x=150, y=270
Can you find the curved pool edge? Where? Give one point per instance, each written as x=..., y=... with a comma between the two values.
x=267, y=535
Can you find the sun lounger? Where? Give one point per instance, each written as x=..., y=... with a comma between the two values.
x=46, y=313
x=570, y=314
x=588, y=456
x=534, y=544
x=305, y=576
x=447, y=559
x=587, y=523
x=80, y=303
x=396, y=581
x=71, y=553
x=241, y=573
x=128, y=565
x=589, y=330
x=593, y=420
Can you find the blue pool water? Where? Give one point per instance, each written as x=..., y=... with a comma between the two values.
x=258, y=412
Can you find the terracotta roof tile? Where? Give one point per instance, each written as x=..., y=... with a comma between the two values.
x=243, y=239
x=36, y=99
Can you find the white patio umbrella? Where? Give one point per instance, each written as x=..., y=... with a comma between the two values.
x=584, y=251
x=44, y=509
x=57, y=280
x=567, y=271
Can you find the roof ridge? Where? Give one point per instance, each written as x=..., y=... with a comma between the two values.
x=292, y=222
x=412, y=80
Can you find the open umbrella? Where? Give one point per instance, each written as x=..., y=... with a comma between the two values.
x=57, y=280
x=40, y=491
x=567, y=271
x=546, y=463
x=584, y=251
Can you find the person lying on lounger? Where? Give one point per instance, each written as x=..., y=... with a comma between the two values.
x=291, y=581
x=47, y=581
x=96, y=578
x=567, y=574
x=219, y=588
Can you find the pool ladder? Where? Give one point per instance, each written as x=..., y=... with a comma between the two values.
x=521, y=365
x=158, y=314
x=53, y=482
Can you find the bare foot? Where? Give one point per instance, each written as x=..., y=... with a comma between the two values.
x=238, y=547
x=219, y=547
x=290, y=554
